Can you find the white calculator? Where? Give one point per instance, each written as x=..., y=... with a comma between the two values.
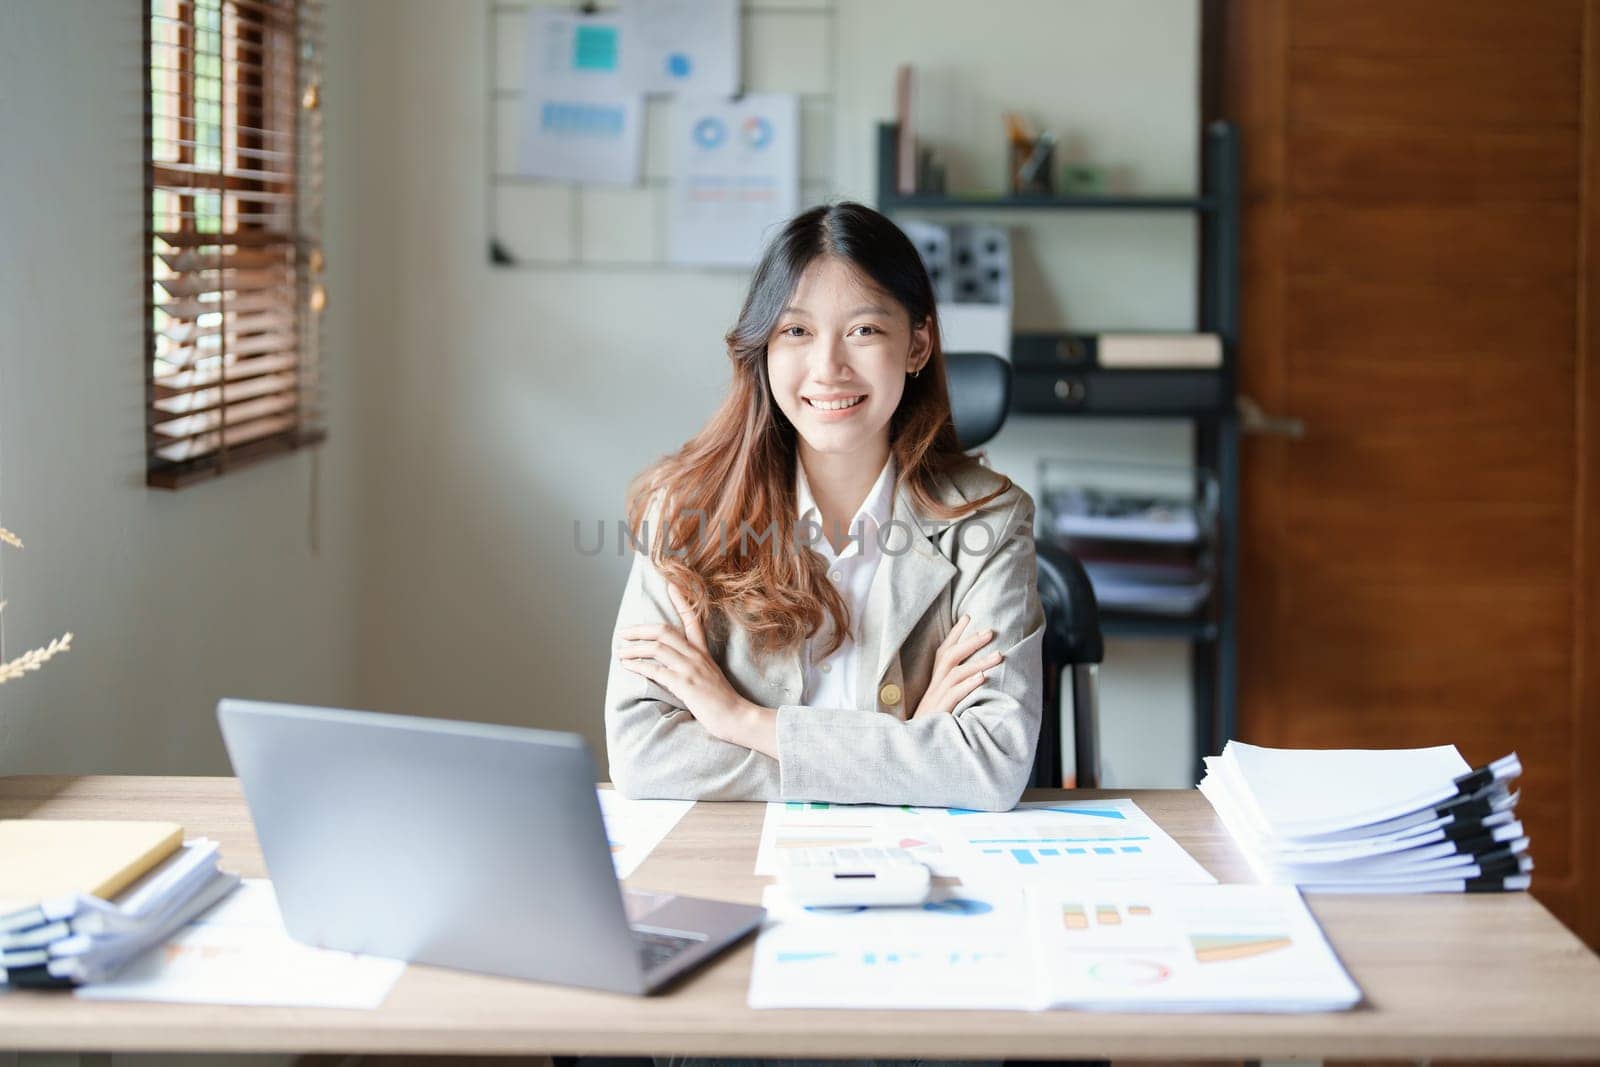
x=842, y=877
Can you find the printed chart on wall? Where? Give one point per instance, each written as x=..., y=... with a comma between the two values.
x=736, y=176
x=1125, y=946
x=580, y=121
x=1093, y=840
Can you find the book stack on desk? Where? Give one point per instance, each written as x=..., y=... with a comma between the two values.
x=1380, y=821
x=79, y=899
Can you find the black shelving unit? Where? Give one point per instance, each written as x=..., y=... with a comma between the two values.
x=1054, y=378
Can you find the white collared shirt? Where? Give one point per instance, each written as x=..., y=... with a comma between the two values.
x=832, y=682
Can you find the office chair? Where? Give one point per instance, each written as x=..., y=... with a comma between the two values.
x=980, y=397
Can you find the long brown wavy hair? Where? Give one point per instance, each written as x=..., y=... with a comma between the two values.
x=739, y=469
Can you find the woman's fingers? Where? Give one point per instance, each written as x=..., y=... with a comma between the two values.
x=966, y=648
x=941, y=654
x=976, y=668
x=958, y=689
x=968, y=688
x=670, y=636
x=962, y=650
x=673, y=659
x=691, y=622
x=950, y=687
x=653, y=671
x=956, y=631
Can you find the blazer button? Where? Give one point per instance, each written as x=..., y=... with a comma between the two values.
x=890, y=694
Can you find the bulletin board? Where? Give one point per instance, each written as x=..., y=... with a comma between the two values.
x=787, y=46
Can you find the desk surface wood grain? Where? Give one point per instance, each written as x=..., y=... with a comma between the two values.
x=1459, y=977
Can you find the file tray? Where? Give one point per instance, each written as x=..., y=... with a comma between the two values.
x=1145, y=533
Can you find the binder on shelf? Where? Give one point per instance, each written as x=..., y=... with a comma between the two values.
x=1094, y=391
x=1160, y=350
x=1148, y=350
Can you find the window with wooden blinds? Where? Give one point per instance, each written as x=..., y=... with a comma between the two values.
x=234, y=200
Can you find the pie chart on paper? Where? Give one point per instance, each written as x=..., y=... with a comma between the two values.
x=1129, y=972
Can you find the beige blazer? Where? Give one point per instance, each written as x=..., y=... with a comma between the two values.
x=933, y=571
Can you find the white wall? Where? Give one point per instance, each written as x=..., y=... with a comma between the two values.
x=508, y=403
x=174, y=599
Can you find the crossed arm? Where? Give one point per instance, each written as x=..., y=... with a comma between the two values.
x=676, y=727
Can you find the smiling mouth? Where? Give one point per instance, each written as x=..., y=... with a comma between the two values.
x=834, y=405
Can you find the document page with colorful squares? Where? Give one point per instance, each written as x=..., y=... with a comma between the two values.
x=1182, y=948
x=1083, y=840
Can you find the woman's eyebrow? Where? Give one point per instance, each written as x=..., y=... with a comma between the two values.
x=865, y=309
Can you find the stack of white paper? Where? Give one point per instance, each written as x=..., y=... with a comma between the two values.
x=1372, y=821
x=78, y=938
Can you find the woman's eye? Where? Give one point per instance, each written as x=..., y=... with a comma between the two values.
x=874, y=329
x=793, y=331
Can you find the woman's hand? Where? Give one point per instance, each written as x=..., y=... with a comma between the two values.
x=683, y=666
x=957, y=669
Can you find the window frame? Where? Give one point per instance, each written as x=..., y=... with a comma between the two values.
x=267, y=222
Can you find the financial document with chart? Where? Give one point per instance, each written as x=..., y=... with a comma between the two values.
x=1117, y=946
x=1086, y=840
x=1081, y=904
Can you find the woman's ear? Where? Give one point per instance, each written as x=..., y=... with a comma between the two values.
x=921, y=347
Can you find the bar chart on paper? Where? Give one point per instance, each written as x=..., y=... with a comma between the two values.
x=794, y=825
x=964, y=948
x=1095, y=840
x=1125, y=946
x=1101, y=840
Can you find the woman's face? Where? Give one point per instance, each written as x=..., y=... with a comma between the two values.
x=839, y=357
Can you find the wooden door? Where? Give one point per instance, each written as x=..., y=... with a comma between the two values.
x=1420, y=287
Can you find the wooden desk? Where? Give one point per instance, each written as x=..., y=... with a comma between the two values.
x=1459, y=977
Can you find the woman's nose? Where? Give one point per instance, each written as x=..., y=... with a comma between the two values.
x=828, y=358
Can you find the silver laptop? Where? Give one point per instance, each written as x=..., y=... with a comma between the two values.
x=458, y=844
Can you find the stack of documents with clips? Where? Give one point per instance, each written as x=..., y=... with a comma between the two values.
x=80, y=899
x=1380, y=821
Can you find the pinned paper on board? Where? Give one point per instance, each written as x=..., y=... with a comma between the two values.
x=736, y=176
x=688, y=47
x=580, y=121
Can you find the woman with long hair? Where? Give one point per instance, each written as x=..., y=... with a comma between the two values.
x=829, y=599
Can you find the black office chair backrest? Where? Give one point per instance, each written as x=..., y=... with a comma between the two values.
x=980, y=395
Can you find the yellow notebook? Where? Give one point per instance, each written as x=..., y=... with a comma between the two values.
x=41, y=858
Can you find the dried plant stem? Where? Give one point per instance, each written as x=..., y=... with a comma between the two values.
x=31, y=661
